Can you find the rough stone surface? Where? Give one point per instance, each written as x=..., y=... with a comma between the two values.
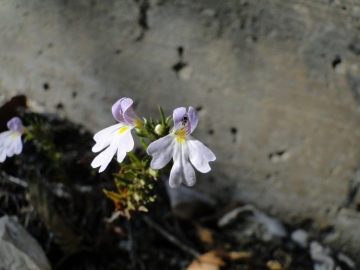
x=278, y=84
x=18, y=249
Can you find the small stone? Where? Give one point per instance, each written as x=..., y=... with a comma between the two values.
x=265, y=227
x=300, y=237
x=322, y=261
x=345, y=259
x=274, y=265
x=18, y=249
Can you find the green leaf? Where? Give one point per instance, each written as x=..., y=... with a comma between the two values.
x=144, y=144
x=133, y=158
x=163, y=121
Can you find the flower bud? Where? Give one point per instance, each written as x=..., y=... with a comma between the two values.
x=159, y=129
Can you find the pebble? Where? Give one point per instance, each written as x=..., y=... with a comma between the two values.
x=322, y=261
x=300, y=237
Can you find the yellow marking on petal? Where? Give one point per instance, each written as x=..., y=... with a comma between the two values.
x=14, y=135
x=180, y=139
x=123, y=129
x=182, y=133
x=138, y=123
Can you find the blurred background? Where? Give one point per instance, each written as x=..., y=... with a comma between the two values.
x=276, y=84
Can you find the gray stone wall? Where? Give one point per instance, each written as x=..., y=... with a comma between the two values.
x=277, y=82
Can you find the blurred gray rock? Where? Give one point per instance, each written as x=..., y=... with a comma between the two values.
x=188, y=203
x=321, y=258
x=300, y=237
x=347, y=260
x=18, y=249
x=254, y=222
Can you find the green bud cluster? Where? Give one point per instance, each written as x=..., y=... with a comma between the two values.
x=155, y=129
x=135, y=181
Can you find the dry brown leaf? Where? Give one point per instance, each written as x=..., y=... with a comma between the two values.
x=274, y=265
x=239, y=255
x=206, y=235
x=202, y=266
x=207, y=261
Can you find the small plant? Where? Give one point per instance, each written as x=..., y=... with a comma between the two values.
x=169, y=138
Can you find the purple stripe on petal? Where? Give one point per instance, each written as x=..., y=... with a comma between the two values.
x=178, y=114
x=117, y=111
x=15, y=124
x=193, y=119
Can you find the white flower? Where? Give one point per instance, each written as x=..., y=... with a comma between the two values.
x=10, y=141
x=117, y=137
x=181, y=147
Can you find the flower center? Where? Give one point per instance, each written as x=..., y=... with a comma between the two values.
x=123, y=129
x=181, y=130
x=184, y=121
x=181, y=133
x=138, y=123
x=14, y=135
x=180, y=139
x=183, y=127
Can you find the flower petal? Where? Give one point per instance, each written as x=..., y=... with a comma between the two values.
x=126, y=144
x=104, y=158
x=117, y=110
x=15, y=124
x=14, y=145
x=9, y=148
x=161, y=150
x=119, y=140
x=200, y=155
x=178, y=114
x=182, y=171
x=123, y=112
x=10, y=144
x=2, y=154
x=18, y=146
x=193, y=119
x=102, y=134
x=130, y=116
x=4, y=135
x=125, y=104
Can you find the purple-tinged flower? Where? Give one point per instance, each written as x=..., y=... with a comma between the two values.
x=181, y=147
x=116, y=138
x=10, y=141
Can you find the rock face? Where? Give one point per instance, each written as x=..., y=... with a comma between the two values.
x=19, y=250
x=277, y=84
